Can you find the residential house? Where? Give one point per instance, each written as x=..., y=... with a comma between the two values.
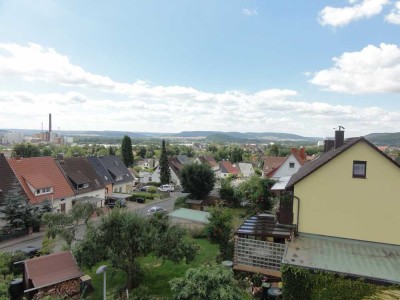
x=54, y=275
x=102, y=172
x=225, y=169
x=207, y=160
x=176, y=164
x=346, y=211
x=87, y=185
x=123, y=180
x=147, y=163
x=277, y=167
x=42, y=179
x=245, y=169
x=271, y=163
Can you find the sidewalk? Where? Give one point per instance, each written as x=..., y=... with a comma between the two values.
x=132, y=206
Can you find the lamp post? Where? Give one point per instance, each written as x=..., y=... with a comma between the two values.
x=103, y=269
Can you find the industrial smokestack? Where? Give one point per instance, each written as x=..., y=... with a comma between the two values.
x=49, y=123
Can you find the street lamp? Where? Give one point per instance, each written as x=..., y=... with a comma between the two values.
x=103, y=269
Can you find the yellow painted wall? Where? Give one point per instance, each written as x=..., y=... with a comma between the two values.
x=333, y=203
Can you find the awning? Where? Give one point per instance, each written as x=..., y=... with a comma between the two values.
x=281, y=184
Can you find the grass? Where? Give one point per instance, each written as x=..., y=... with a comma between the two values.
x=157, y=272
x=237, y=216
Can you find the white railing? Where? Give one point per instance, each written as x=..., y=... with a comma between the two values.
x=259, y=254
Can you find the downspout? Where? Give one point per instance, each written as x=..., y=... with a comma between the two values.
x=298, y=212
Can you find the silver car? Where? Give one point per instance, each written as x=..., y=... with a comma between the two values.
x=155, y=209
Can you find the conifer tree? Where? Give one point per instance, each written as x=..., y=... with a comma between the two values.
x=126, y=151
x=165, y=173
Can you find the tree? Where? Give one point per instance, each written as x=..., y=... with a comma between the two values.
x=219, y=231
x=206, y=282
x=16, y=211
x=197, y=179
x=25, y=150
x=274, y=150
x=258, y=192
x=122, y=237
x=235, y=154
x=227, y=193
x=165, y=173
x=126, y=151
x=111, y=150
x=142, y=151
x=46, y=152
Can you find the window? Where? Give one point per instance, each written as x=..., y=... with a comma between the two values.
x=359, y=169
x=291, y=165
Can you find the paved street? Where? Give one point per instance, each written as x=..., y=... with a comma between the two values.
x=36, y=239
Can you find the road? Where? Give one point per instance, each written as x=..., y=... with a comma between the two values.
x=140, y=209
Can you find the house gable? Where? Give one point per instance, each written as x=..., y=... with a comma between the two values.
x=289, y=167
x=334, y=203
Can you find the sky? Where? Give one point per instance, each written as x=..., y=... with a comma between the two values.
x=302, y=67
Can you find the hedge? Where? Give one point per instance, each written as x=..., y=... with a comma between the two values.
x=300, y=283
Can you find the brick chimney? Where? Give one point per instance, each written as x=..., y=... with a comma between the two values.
x=329, y=145
x=339, y=137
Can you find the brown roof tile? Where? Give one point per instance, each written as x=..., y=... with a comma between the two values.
x=271, y=164
x=228, y=167
x=7, y=178
x=51, y=269
x=41, y=172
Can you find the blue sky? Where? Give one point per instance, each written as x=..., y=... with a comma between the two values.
x=289, y=66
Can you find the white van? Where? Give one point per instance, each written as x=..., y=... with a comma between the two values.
x=166, y=188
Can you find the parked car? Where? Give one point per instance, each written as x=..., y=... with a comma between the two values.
x=155, y=209
x=120, y=202
x=30, y=251
x=140, y=200
x=166, y=188
x=144, y=188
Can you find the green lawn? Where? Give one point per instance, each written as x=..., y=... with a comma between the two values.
x=157, y=273
x=237, y=216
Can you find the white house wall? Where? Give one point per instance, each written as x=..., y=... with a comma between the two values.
x=285, y=169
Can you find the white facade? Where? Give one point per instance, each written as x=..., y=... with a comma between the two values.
x=288, y=168
x=246, y=169
x=101, y=193
x=124, y=187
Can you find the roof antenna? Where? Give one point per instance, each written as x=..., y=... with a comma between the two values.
x=340, y=128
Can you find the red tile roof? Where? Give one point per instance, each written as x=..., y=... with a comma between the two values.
x=41, y=172
x=228, y=167
x=51, y=269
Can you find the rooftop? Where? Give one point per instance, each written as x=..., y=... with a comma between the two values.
x=190, y=215
x=375, y=261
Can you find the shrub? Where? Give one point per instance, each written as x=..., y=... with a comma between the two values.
x=197, y=232
x=180, y=202
x=152, y=190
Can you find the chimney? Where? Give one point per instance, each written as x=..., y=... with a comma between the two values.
x=339, y=137
x=1, y=154
x=303, y=154
x=328, y=145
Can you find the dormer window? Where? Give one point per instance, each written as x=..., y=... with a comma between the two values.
x=83, y=186
x=42, y=191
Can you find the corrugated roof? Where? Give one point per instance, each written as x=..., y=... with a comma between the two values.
x=264, y=225
x=43, y=172
x=375, y=261
x=317, y=163
x=190, y=215
x=51, y=269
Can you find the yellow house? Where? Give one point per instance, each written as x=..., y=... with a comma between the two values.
x=346, y=207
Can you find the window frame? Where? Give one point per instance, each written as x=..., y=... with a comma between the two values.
x=360, y=162
x=291, y=165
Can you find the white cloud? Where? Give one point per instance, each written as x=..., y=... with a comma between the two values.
x=341, y=16
x=250, y=12
x=371, y=70
x=142, y=106
x=394, y=15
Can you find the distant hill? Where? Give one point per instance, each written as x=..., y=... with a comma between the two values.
x=384, y=139
x=271, y=136
x=219, y=137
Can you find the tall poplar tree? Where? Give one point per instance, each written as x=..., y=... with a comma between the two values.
x=165, y=173
x=126, y=151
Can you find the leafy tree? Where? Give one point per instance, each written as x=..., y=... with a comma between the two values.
x=142, y=151
x=235, y=154
x=197, y=179
x=122, y=237
x=17, y=212
x=165, y=173
x=46, y=152
x=75, y=151
x=227, y=193
x=219, y=231
x=206, y=282
x=126, y=151
x=258, y=191
x=26, y=150
x=274, y=150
